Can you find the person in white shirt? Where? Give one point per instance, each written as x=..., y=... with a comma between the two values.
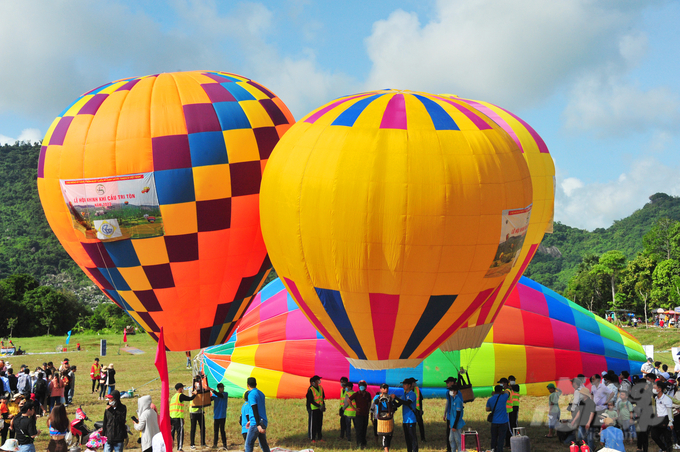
x=677, y=366
x=647, y=367
x=577, y=384
x=601, y=393
x=660, y=432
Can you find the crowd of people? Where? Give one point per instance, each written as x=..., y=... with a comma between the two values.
x=612, y=409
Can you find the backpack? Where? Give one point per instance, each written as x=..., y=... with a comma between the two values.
x=40, y=386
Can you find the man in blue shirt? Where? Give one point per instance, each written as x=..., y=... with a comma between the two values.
x=450, y=383
x=611, y=436
x=408, y=415
x=258, y=418
x=219, y=414
x=455, y=415
x=499, y=423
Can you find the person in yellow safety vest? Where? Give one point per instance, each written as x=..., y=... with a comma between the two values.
x=343, y=392
x=514, y=416
x=316, y=405
x=508, y=408
x=419, y=406
x=350, y=411
x=177, y=414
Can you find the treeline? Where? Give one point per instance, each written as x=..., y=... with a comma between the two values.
x=650, y=280
x=29, y=309
x=562, y=252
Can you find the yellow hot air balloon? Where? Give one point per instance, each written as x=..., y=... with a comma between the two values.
x=391, y=217
x=542, y=170
x=152, y=183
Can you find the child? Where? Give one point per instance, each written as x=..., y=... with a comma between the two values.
x=245, y=416
x=553, y=409
x=611, y=412
x=625, y=411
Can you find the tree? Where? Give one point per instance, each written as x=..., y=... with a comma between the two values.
x=662, y=242
x=636, y=283
x=11, y=323
x=610, y=265
x=587, y=288
x=666, y=284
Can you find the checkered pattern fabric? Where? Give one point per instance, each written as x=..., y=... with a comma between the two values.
x=207, y=137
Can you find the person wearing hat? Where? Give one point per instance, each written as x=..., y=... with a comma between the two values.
x=647, y=367
x=11, y=445
x=25, y=429
x=553, y=409
x=94, y=374
x=585, y=416
x=114, y=428
x=177, y=414
x=456, y=422
x=450, y=384
x=316, y=406
x=361, y=401
x=611, y=436
x=341, y=411
x=110, y=379
x=408, y=414
x=508, y=408
x=496, y=405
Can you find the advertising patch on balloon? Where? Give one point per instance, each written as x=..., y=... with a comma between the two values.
x=513, y=232
x=114, y=208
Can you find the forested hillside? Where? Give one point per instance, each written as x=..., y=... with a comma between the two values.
x=562, y=251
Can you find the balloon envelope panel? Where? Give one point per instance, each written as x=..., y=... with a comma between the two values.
x=385, y=214
x=152, y=183
x=539, y=336
x=542, y=171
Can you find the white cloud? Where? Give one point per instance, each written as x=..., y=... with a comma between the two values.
x=58, y=50
x=597, y=205
x=515, y=53
x=27, y=135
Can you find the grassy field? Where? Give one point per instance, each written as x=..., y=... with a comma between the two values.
x=288, y=418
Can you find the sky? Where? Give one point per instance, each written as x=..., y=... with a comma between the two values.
x=598, y=80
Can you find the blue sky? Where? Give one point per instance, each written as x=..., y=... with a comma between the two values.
x=597, y=79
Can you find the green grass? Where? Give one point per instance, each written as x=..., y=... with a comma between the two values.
x=288, y=418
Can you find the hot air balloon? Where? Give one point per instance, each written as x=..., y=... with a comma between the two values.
x=386, y=215
x=542, y=170
x=539, y=337
x=184, y=153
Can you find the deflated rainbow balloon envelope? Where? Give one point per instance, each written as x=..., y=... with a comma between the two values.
x=539, y=337
x=542, y=170
x=151, y=184
x=392, y=217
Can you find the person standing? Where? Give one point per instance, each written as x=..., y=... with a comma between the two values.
x=56, y=389
x=450, y=384
x=24, y=383
x=197, y=419
x=350, y=410
x=95, y=374
x=245, y=416
x=316, y=406
x=408, y=414
x=58, y=426
x=72, y=384
x=362, y=403
x=221, y=399
x=456, y=422
x=343, y=392
x=499, y=419
x=12, y=381
x=514, y=395
x=177, y=414
x=508, y=408
x=660, y=432
x=419, y=408
x=114, y=428
x=110, y=379
x=102, y=382
x=25, y=429
x=40, y=390
x=258, y=420
x=147, y=423
x=553, y=409
x=384, y=411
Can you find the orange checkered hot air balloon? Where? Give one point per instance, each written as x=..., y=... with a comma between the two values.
x=391, y=217
x=152, y=185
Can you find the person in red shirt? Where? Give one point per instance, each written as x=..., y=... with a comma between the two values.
x=362, y=402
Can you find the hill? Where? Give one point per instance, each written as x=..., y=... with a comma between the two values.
x=562, y=251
